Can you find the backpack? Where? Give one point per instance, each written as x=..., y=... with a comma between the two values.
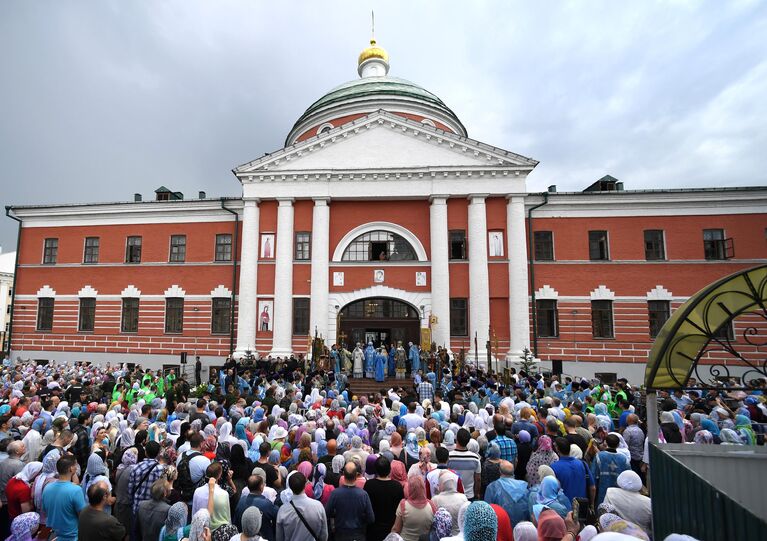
x=184, y=483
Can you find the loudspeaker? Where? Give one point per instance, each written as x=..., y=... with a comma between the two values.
x=183, y=357
x=556, y=366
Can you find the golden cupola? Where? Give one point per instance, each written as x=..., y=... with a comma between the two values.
x=373, y=61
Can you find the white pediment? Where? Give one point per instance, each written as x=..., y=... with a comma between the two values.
x=383, y=140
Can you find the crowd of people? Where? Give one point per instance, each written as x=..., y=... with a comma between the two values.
x=285, y=453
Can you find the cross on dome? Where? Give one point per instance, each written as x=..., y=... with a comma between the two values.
x=373, y=60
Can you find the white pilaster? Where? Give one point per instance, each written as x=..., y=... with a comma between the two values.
x=282, y=337
x=440, y=270
x=519, y=317
x=246, y=308
x=479, y=282
x=318, y=306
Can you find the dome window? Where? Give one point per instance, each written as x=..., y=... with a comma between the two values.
x=324, y=128
x=429, y=122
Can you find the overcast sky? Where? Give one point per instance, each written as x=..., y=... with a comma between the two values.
x=101, y=99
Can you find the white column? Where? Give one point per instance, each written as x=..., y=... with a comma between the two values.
x=318, y=306
x=246, y=294
x=282, y=336
x=519, y=317
x=440, y=271
x=479, y=282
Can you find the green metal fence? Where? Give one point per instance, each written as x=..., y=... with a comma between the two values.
x=685, y=503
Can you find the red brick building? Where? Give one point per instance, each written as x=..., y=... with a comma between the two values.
x=380, y=217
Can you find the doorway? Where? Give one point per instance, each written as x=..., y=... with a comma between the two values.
x=381, y=321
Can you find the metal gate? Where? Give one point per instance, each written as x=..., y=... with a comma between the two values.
x=684, y=502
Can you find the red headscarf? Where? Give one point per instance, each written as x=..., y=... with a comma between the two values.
x=416, y=491
x=398, y=473
x=551, y=527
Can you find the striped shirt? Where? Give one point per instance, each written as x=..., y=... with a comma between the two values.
x=466, y=464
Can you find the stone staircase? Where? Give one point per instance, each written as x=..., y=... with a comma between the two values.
x=364, y=386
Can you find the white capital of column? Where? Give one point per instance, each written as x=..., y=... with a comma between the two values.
x=282, y=336
x=318, y=307
x=247, y=309
x=519, y=318
x=440, y=271
x=479, y=281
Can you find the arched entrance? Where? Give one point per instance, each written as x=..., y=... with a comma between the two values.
x=380, y=320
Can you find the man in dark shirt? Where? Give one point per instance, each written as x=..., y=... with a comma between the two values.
x=349, y=509
x=263, y=462
x=200, y=414
x=94, y=524
x=384, y=494
x=571, y=426
x=256, y=499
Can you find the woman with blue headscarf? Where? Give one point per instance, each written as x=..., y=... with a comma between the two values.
x=240, y=431
x=550, y=494
x=412, y=450
x=744, y=429
x=480, y=522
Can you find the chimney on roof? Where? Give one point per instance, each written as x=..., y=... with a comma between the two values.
x=136, y=197
x=201, y=194
x=553, y=188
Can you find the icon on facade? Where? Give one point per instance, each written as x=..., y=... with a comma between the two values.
x=420, y=278
x=338, y=278
x=267, y=246
x=378, y=276
x=265, y=315
x=495, y=243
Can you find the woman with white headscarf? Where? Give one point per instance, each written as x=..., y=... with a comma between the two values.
x=18, y=489
x=623, y=448
x=628, y=502
x=525, y=531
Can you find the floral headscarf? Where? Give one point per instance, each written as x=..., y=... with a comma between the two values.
x=443, y=522
x=21, y=528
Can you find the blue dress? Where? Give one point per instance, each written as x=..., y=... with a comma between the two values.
x=392, y=361
x=336, y=360
x=415, y=359
x=370, y=359
x=605, y=468
x=380, y=366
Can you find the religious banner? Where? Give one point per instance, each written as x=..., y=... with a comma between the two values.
x=425, y=338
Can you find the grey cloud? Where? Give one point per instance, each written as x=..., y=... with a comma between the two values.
x=103, y=99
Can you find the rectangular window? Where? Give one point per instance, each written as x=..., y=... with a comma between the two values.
x=547, y=320
x=726, y=332
x=303, y=242
x=129, y=320
x=654, y=245
x=713, y=244
x=458, y=244
x=87, y=319
x=459, y=317
x=91, y=251
x=177, y=249
x=224, y=247
x=45, y=314
x=598, y=249
x=602, y=319
x=220, y=315
x=301, y=316
x=174, y=315
x=543, y=242
x=133, y=250
x=50, y=251
x=659, y=312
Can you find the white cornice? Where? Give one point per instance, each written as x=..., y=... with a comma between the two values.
x=128, y=213
x=651, y=203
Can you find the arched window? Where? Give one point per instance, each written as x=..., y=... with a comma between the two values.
x=379, y=246
x=324, y=128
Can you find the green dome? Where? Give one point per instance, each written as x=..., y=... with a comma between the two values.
x=369, y=89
